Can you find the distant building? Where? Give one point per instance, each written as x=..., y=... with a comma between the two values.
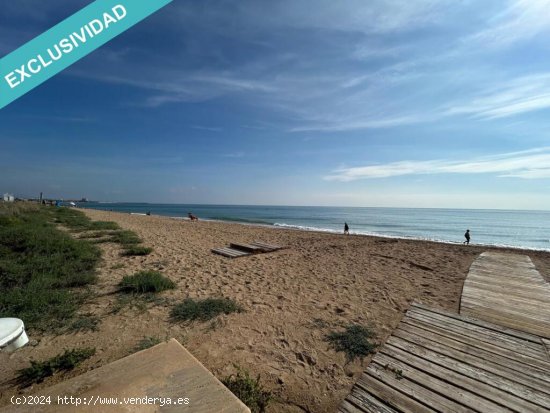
x=9, y=198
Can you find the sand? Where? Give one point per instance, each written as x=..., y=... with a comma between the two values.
x=293, y=298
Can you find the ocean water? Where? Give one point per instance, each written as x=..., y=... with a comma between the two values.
x=519, y=229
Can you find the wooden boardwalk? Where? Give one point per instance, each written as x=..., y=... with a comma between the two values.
x=442, y=362
x=166, y=371
x=507, y=289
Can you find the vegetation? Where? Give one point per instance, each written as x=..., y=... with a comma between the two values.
x=146, y=282
x=39, y=370
x=41, y=267
x=354, y=341
x=248, y=390
x=147, y=342
x=84, y=323
x=101, y=231
x=204, y=310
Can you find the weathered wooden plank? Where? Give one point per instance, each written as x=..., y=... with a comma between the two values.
x=506, y=384
x=265, y=246
x=393, y=398
x=523, y=292
x=520, y=322
x=476, y=344
x=347, y=407
x=490, y=326
x=507, y=289
x=497, y=396
x=415, y=384
x=515, y=372
x=368, y=403
x=537, y=371
x=245, y=247
x=229, y=252
x=490, y=337
x=522, y=305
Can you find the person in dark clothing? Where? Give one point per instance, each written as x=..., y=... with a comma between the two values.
x=346, y=228
x=467, y=236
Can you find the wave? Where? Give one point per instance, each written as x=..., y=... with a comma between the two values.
x=407, y=237
x=241, y=220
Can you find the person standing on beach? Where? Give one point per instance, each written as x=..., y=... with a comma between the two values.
x=346, y=228
x=467, y=236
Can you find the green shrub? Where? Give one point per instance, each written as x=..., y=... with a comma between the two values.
x=248, y=390
x=85, y=323
x=103, y=226
x=204, y=310
x=354, y=341
x=39, y=370
x=146, y=282
x=147, y=342
x=125, y=238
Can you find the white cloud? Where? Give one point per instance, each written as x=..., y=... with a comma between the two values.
x=531, y=164
x=513, y=97
x=521, y=20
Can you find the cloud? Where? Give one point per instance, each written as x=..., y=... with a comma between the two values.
x=521, y=20
x=530, y=164
x=513, y=97
x=207, y=128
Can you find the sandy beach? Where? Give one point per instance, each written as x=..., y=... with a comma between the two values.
x=292, y=299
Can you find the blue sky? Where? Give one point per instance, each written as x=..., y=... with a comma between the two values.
x=380, y=103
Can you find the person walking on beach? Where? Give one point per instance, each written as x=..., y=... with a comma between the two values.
x=467, y=236
x=346, y=228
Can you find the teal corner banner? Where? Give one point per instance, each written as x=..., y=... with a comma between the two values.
x=69, y=41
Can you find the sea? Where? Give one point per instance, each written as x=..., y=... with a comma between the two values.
x=515, y=229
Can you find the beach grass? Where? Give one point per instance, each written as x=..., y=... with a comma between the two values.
x=147, y=342
x=249, y=390
x=85, y=323
x=136, y=251
x=146, y=282
x=355, y=341
x=204, y=310
x=40, y=370
x=41, y=267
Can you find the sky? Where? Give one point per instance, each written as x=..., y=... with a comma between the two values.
x=399, y=103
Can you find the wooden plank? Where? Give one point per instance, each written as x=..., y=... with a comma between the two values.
x=536, y=371
x=245, y=247
x=521, y=304
x=521, y=322
x=507, y=289
x=474, y=358
x=167, y=370
x=368, y=403
x=266, y=247
x=347, y=407
x=393, y=398
x=506, y=384
x=491, y=348
x=495, y=327
x=496, y=396
x=490, y=337
x=415, y=385
x=523, y=292
x=229, y=252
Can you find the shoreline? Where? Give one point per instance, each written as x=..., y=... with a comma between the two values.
x=334, y=232
x=292, y=300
